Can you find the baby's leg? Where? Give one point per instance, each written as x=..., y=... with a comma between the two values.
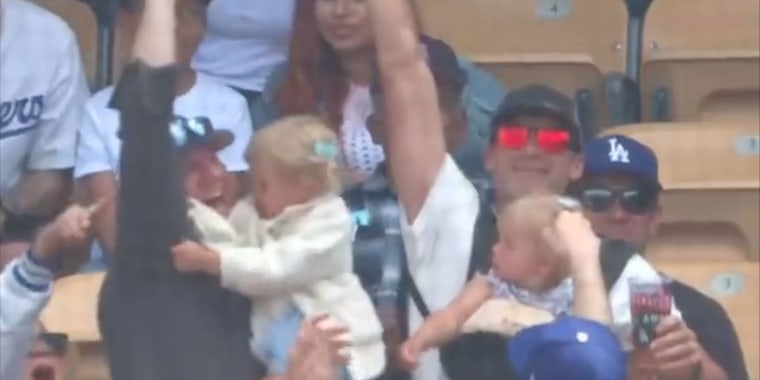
x=282, y=335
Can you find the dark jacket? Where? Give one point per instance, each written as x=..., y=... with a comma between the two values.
x=156, y=323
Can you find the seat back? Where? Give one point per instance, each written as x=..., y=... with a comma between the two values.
x=701, y=60
x=701, y=26
x=72, y=310
x=700, y=155
x=488, y=28
x=708, y=236
x=709, y=86
x=82, y=21
x=529, y=42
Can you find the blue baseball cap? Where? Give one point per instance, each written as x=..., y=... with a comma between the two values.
x=619, y=154
x=568, y=348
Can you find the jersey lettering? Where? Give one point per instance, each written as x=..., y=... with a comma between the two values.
x=25, y=110
x=618, y=153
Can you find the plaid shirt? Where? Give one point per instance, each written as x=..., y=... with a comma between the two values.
x=379, y=256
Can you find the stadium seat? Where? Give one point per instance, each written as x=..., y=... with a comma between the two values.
x=83, y=22
x=708, y=238
x=566, y=44
x=701, y=61
x=72, y=310
x=81, y=19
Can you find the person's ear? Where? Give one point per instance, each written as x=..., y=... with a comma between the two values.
x=456, y=128
x=656, y=219
x=490, y=158
x=576, y=166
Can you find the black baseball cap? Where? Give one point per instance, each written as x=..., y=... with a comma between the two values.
x=443, y=64
x=538, y=100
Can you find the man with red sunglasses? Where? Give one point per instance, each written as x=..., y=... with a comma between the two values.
x=620, y=192
x=535, y=143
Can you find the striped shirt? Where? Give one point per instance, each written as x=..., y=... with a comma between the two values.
x=26, y=288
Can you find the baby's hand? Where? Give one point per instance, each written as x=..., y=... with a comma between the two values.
x=573, y=237
x=409, y=355
x=192, y=257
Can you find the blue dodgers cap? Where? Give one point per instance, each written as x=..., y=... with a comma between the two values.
x=619, y=154
x=568, y=349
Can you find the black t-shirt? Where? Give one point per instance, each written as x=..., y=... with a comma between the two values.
x=713, y=327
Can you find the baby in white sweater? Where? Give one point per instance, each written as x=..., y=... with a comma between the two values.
x=289, y=247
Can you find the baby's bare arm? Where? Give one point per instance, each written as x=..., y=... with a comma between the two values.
x=446, y=325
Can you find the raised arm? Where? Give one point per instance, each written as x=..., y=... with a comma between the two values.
x=152, y=206
x=416, y=148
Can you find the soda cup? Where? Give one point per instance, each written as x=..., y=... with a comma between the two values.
x=651, y=302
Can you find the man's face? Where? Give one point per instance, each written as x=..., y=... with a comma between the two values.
x=620, y=207
x=205, y=177
x=519, y=169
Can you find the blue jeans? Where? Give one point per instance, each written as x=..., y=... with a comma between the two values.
x=279, y=338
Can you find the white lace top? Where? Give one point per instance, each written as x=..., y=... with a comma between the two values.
x=362, y=155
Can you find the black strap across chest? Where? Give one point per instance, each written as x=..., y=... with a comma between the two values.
x=614, y=256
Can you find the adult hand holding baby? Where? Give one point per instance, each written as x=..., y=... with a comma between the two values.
x=190, y=256
x=316, y=353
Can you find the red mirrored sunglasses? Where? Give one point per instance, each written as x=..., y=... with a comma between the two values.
x=550, y=141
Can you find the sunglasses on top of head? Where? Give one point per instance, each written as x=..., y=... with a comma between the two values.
x=634, y=201
x=549, y=140
x=186, y=131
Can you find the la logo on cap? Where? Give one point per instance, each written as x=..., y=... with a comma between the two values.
x=618, y=153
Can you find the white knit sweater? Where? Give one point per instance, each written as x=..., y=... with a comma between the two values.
x=302, y=256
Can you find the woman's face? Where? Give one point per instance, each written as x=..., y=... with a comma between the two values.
x=344, y=24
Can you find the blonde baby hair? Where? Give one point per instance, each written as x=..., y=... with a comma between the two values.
x=303, y=147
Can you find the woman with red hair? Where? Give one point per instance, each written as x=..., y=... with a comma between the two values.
x=329, y=71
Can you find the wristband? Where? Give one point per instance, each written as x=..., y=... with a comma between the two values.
x=53, y=265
